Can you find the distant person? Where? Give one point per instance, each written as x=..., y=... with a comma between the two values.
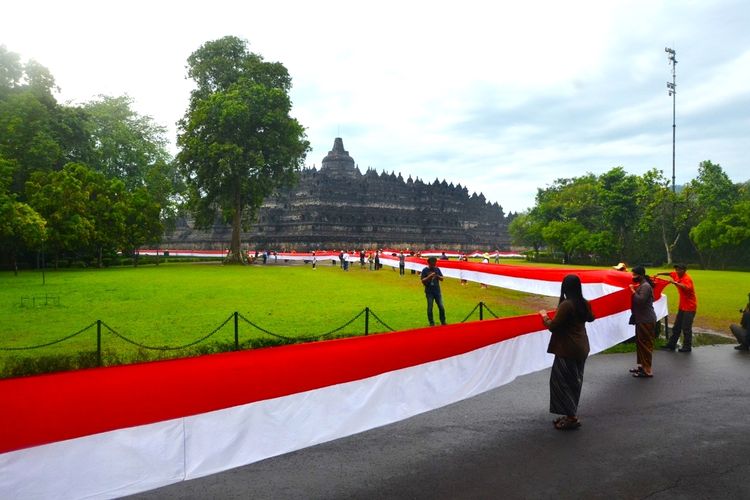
x=463, y=258
x=621, y=267
x=643, y=317
x=341, y=259
x=683, y=322
x=497, y=256
x=742, y=331
x=431, y=278
x=345, y=260
x=377, y=260
x=570, y=345
x=361, y=259
x=314, y=261
x=370, y=260
x=485, y=260
x=401, y=264
x=443, y=256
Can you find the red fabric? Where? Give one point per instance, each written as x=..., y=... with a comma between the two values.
x=47, y=408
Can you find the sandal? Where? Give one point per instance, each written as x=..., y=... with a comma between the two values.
x=643, y=374
x=558, y=420
x=567, y=424
x=637, y=369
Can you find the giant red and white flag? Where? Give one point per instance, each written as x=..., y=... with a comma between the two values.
x=109, y=432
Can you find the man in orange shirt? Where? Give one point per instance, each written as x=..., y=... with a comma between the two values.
x=683, y=322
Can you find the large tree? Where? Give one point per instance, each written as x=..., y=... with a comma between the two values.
x=237, y=140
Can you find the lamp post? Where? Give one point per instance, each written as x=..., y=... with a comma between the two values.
x=672, y=90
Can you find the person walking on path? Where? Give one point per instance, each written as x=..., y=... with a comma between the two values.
x=742, y=331
x=683, y=322
x=431, y=278
x=643, y=317
x=570, y=345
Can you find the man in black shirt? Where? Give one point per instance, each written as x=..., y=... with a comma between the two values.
x=431, y=278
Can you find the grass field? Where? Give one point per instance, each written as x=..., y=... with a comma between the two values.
x=171, y=305
x=175, y=304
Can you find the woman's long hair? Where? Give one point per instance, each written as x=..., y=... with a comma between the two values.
x=571, y=290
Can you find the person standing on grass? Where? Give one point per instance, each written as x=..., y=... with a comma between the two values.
x=683, y=322
x=401, y=263
x=570, y=345
x=643, y=317
x=742, y=331
x=314, y=261
x=431, y=278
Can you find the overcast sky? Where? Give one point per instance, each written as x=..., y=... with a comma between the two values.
x=502, y=97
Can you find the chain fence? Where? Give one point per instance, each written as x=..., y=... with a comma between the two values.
x=102, y=327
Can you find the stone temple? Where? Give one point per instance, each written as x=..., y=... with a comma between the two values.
x=338, y=207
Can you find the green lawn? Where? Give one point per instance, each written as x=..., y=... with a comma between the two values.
x=175, y=304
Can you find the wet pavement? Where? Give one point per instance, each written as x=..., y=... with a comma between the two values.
x=683, y=434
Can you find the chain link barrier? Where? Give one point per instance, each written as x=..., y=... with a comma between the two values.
x=469, y=315
x=490, y=311
x=167, y=348
x=222, y=325
x=303, y=339
x=49, y=343
x=381, y=321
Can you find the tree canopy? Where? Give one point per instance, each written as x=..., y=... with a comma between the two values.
x=88, y=180
x=237, y=140
x=617, y=217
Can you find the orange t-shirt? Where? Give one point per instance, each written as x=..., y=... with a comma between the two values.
x=688, y=302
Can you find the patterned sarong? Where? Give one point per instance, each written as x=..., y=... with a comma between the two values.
x=565, y=383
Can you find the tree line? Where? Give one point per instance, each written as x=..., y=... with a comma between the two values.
x=620, y=217
x=86, y=182
x=89, y=181
x=83, y=181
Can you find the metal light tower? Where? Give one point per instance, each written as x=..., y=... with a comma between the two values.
x=672, y=89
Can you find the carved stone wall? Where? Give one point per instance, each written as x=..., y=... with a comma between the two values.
x=339, y=207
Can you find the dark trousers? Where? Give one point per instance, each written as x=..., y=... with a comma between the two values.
x=401, y=269
x=437, y=298
x=683, y=324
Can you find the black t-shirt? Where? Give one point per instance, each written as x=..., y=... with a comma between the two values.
x=434, y=283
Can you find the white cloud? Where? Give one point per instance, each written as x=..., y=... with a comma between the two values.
x=501, y=97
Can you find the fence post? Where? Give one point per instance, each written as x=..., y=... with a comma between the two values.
x=367, y=320
x=236, y=332
x=481, y=311
x=98, y=342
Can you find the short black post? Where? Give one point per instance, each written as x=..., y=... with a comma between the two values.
x=666, y=328
x=236, y=332
x=367, y=320
x=98, y=342
x=481, y=311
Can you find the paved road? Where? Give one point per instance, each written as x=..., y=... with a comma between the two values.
x=683, y=434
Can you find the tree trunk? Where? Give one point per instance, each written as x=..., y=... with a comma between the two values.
x=235, y=251
x=667, y=246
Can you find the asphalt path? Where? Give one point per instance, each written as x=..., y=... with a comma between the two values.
x=683, y=434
